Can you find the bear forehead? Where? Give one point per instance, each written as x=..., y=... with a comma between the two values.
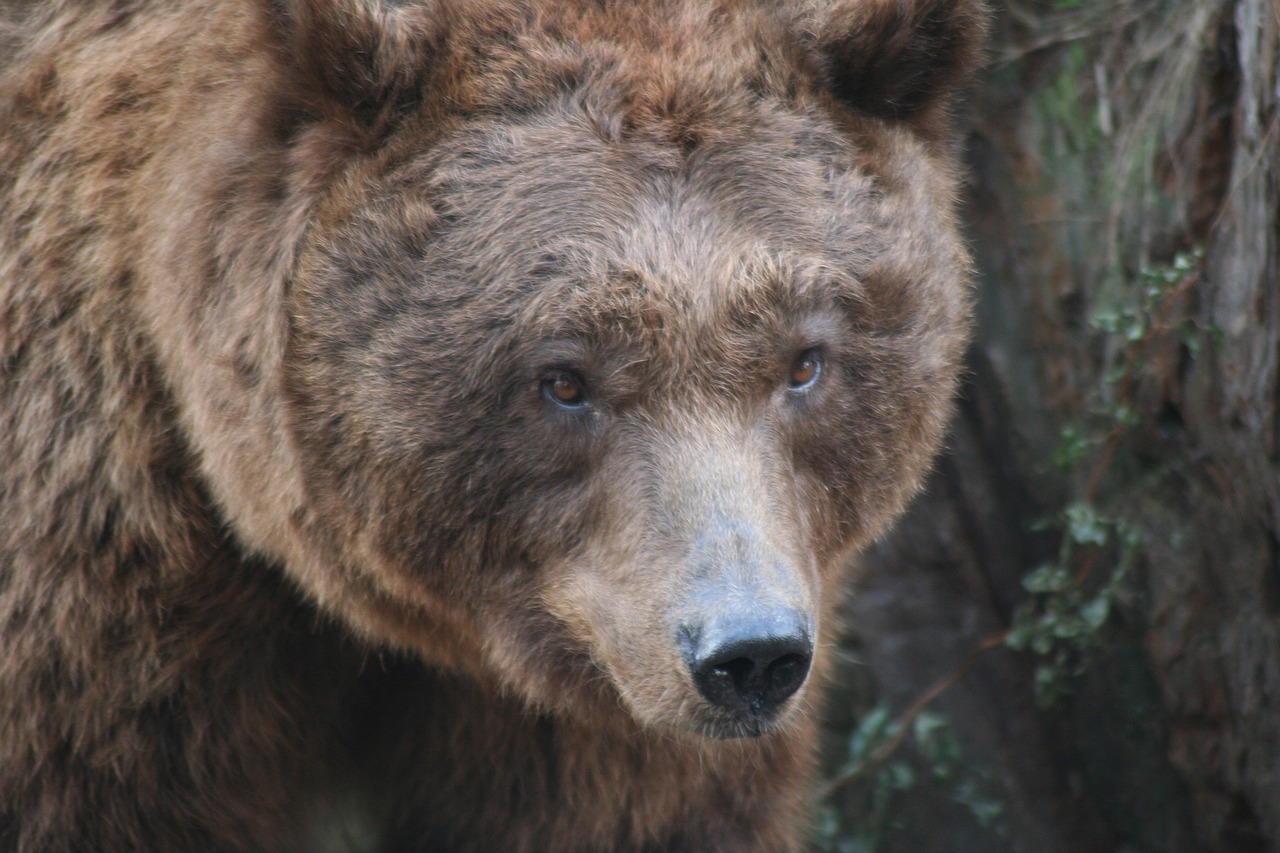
x=568, y=233
x=666, y=65
x=544, y=196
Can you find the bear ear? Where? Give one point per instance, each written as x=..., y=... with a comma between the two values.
x=902, y=59
x=361, y=59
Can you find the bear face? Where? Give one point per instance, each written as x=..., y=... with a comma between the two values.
x=628, y=370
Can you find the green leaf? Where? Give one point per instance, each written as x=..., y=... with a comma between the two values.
x=1096, y=611
x=1108, y=321
x=926, y=725
x=1084, y=525
x=1072, y=449
x=900, y=776
x=875, y=727
x=1046, y=579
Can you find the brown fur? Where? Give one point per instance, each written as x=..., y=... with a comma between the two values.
x=295, y=552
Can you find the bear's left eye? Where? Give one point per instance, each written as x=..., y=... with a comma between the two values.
x=806, y=370
x=565, y=390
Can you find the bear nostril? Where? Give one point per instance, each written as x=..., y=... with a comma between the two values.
x=755, y=675
x=787, y=673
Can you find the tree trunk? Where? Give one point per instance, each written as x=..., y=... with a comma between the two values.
x=1091, y=582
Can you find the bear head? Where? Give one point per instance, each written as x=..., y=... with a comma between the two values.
x=611, y=331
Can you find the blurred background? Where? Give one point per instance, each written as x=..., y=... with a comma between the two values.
x=1072, y=643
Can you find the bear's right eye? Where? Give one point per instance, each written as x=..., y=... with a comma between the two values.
x=565, y=390
x=806, y=370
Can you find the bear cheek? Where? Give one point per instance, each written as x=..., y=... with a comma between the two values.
x=615, y=605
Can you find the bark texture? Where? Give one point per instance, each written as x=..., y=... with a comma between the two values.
x=1120, y=423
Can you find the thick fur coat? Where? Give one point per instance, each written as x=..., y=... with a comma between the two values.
x=441, y=425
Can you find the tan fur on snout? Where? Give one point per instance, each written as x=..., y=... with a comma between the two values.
x=682, y=478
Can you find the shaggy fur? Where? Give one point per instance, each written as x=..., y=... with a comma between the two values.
x=297, y=551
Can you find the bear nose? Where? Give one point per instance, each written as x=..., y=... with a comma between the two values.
x=753, y=666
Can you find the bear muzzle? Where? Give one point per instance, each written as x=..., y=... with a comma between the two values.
x=744, y=626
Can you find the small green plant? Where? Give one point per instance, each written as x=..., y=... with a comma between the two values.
x=1063, y=616
x=1145, y=313
x=1071, y=597
x=883, y=773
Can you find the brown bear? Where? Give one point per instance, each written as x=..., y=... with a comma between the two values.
x=441, y=424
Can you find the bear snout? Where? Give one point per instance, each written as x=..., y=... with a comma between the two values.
x=748, y=664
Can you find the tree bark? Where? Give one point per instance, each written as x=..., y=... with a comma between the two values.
x=1120, y=424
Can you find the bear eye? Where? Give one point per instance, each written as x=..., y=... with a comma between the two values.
x=805, y=371
x=565, y=390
